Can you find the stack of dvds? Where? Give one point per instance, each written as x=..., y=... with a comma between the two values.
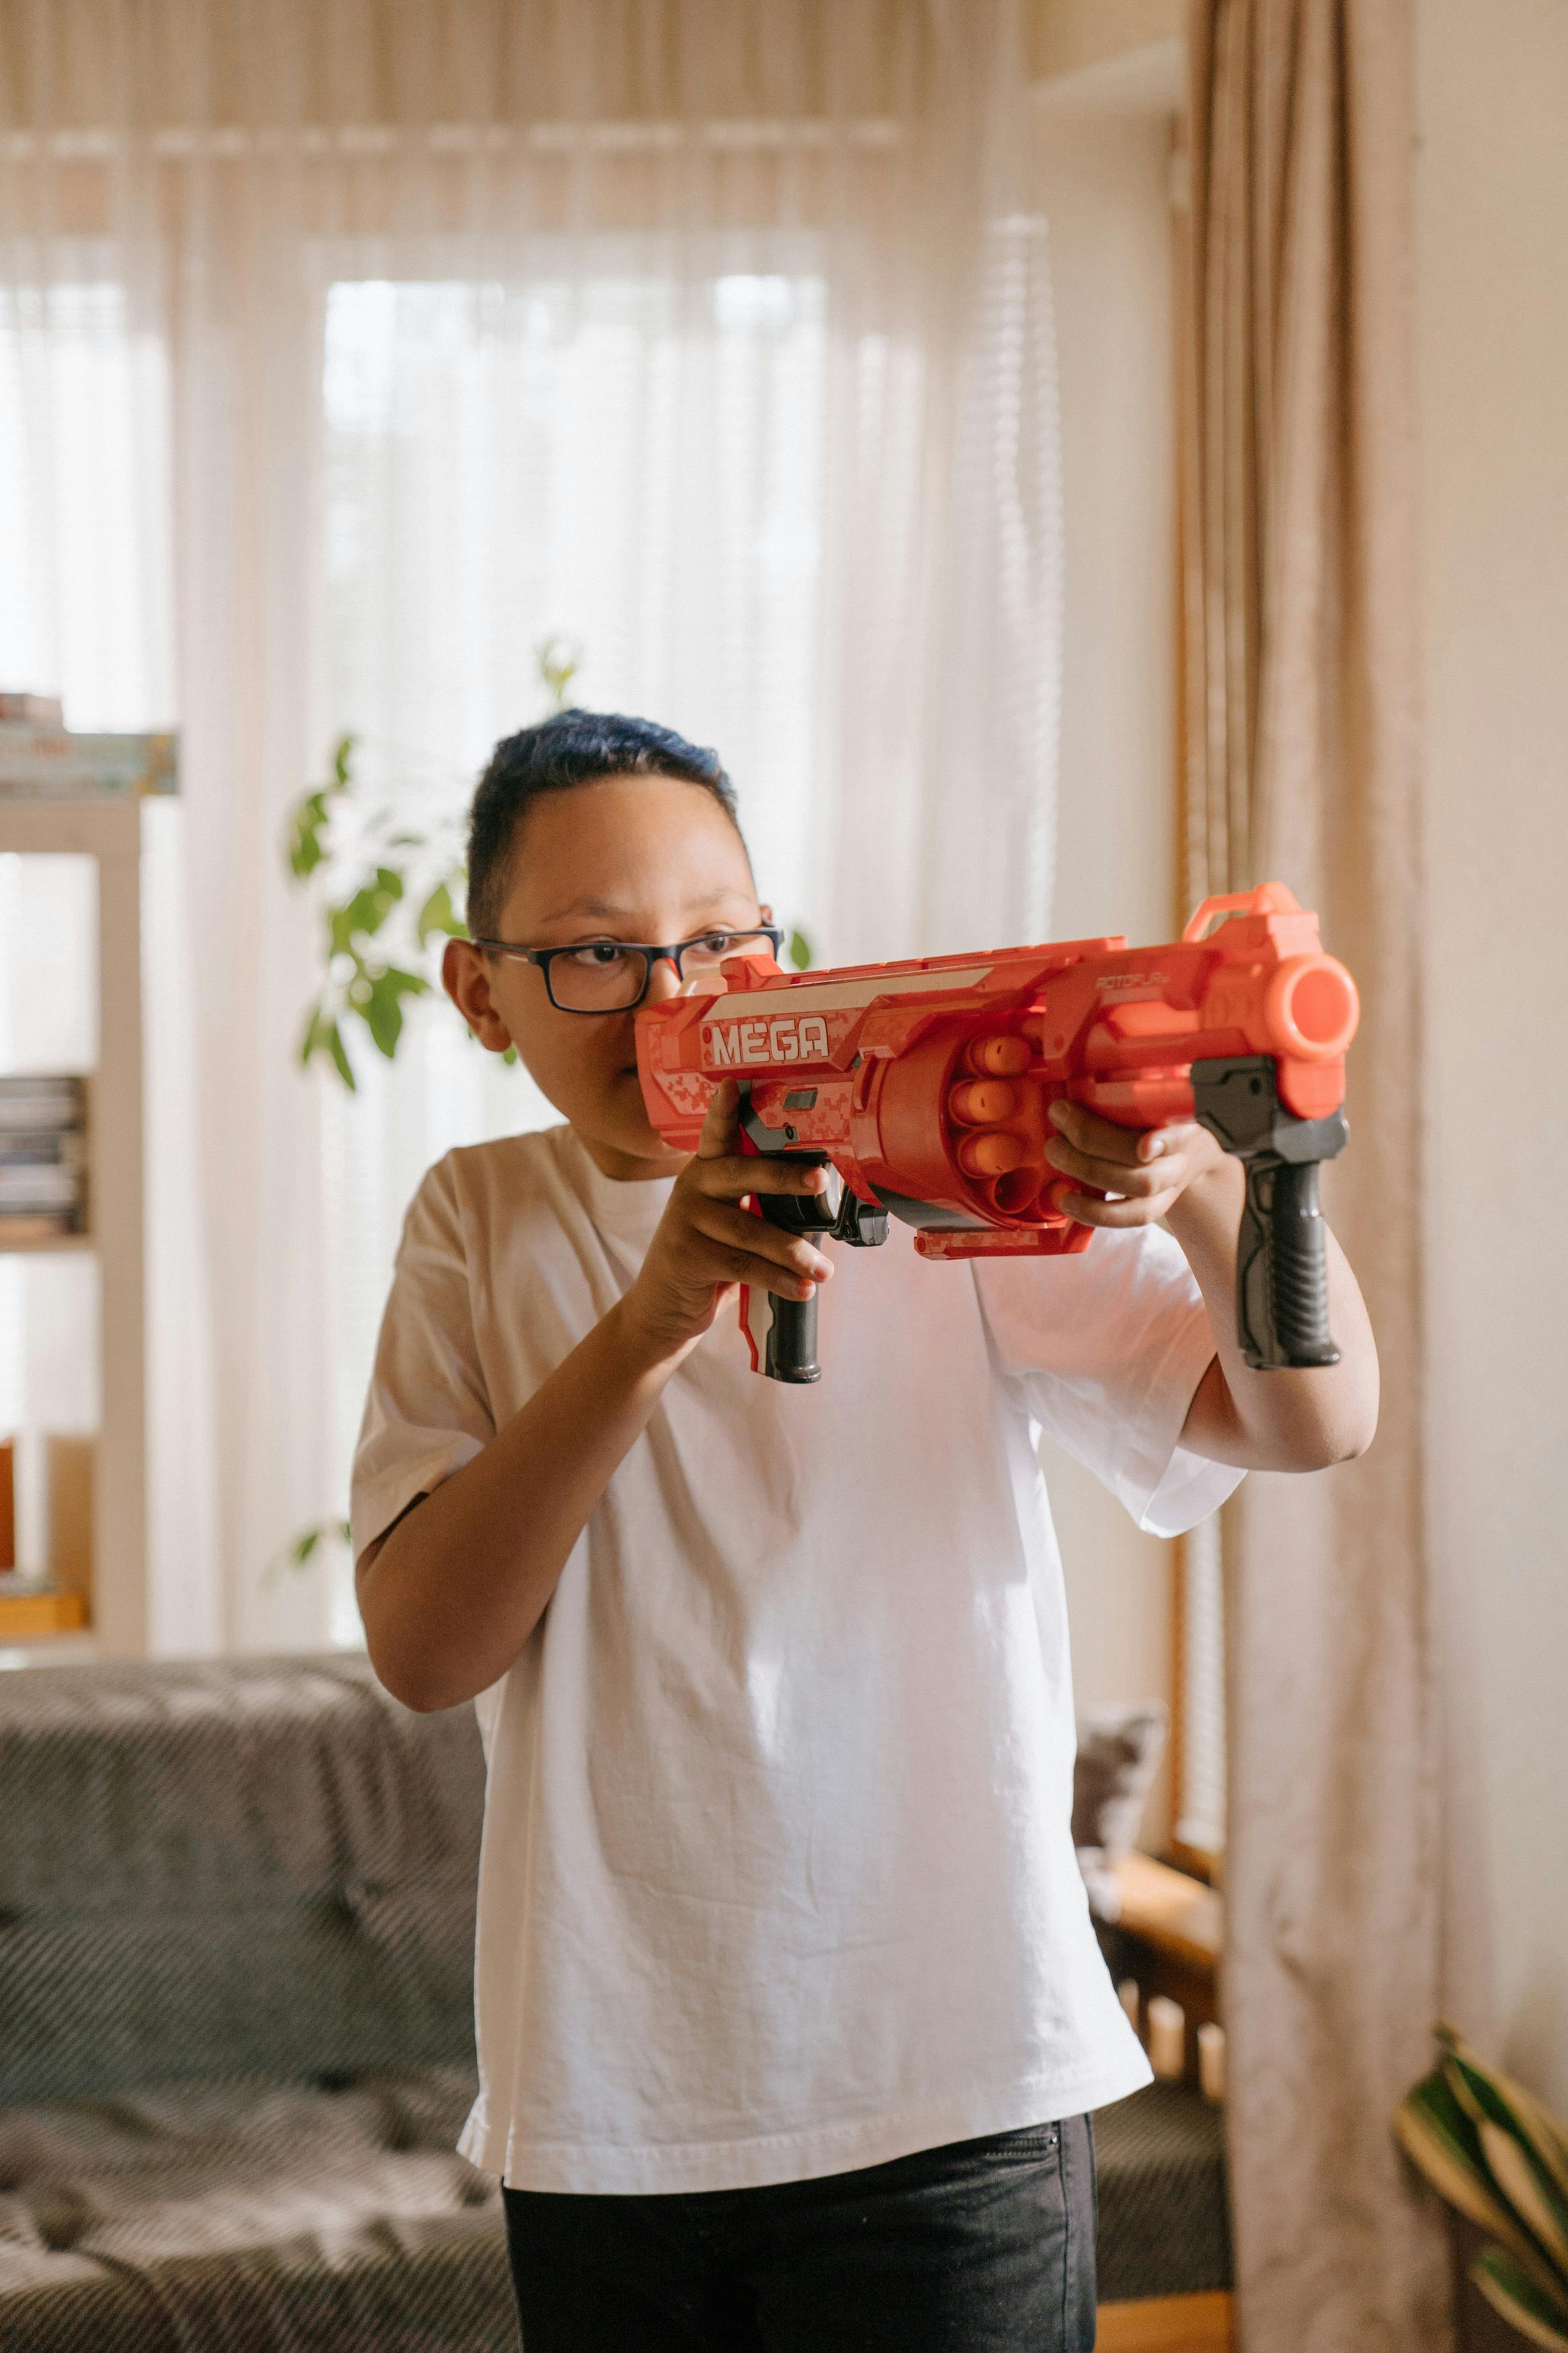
x=43, y=1159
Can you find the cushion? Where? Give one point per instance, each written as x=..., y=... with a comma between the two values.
x=252, y=2215
x=235, y=1868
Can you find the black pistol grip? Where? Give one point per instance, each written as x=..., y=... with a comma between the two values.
x=1282, y=1275
x=1282, y=1262
x=791, y=1352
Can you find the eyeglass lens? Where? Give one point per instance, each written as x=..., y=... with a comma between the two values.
x=605, y=977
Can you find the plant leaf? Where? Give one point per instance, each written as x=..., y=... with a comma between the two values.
x=333, y=1039
x=307, y=1542
x=1483, y=2091
x=437, y=915
x=1440, y=2140
x=323, y=1037
x=1520, y=2184
x=382, y=1009
x=362, y=916
x=1539, y=2316
x=558, y=661
x=798, y=950
x=306, y=847
x=383, y=1016
x=342, y=752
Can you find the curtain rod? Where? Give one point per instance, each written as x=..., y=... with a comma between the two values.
x=224, y=143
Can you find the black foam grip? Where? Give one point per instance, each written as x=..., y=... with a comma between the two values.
x=1281, y=1272
x=791, y=1353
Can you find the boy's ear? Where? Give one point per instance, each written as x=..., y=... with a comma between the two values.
x=466, y=977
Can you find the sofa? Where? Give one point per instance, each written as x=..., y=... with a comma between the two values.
x=236, y=1909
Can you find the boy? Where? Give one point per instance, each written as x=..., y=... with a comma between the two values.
x=789, y=2009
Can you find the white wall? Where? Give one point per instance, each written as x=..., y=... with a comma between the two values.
x=1492, y=294
x=1104, y=183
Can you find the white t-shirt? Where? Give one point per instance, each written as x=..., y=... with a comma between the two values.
x=777, y=1875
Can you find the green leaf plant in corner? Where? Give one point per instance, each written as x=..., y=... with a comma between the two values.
x=365, y=870
x=385, y=890
x=1497, y=2156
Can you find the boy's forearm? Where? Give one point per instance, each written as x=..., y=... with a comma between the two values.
x=1279, y=1421
x=452, y=1594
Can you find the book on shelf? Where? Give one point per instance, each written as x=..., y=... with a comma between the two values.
x=43, y=1147
x=37, y=1102
x=33, y=1185
x=33, y=1606
x=52, y=763
x=40, y=1184
x=22, y=1580
x=43, y=1158
x=25, y=1228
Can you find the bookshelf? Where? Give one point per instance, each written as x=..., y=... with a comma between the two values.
x=111, y=1556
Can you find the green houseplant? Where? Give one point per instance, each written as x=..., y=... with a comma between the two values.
x=389, y=895
x=1499, y=2158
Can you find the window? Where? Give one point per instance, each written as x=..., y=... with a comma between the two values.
x=505, y=464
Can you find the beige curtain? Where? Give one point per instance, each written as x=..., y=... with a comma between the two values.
x=1302, y=762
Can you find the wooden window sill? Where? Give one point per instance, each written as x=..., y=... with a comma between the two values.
x=1175, y=1914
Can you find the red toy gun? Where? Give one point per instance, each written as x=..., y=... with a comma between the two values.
x=926, y=1086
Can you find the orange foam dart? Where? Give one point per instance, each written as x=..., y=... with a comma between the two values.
x=926, y=1086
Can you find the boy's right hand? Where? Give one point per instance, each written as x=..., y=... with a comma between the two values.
x=706, y=1243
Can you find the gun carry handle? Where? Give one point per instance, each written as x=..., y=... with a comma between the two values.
x=1281, y=1266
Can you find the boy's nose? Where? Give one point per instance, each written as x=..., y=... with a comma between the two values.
x=663, y=980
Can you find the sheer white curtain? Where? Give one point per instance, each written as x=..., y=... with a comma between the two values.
x=713, y=335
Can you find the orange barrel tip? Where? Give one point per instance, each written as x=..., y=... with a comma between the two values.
x=993, y=1153
x=1000, y=1057
x=984, y=1103
x=1310, y=1007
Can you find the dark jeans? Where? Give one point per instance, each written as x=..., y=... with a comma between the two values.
x=986, y=2246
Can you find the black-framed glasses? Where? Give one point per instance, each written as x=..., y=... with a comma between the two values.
x=611, y=976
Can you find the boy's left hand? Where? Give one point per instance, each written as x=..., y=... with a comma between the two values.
x=1145, y=1170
